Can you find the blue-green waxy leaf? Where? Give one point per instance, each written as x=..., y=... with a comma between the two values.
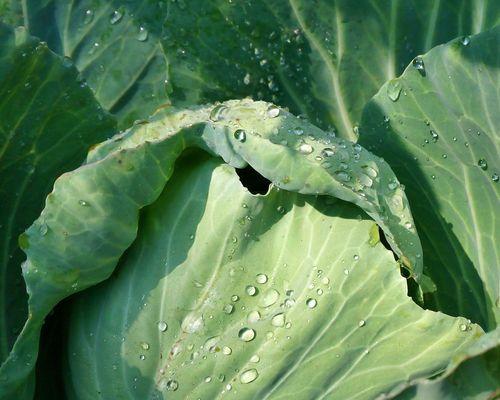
x=92, y=215
x=441, y=137
x=467, y=376
x=225, y=294
x=322, y=59
x=48, y=120
x=113, y=44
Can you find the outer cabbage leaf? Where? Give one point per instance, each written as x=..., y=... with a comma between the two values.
x=47, y=123
x=229, y=295
x=120, y=59
x=323, y=59
x=91, y=216
x=442, y=140
x=467, y=377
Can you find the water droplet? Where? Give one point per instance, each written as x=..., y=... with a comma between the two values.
x=305, y=148
x=392, y=185
x=211, y=344
x=361, y=323
x=142, y=357
x=343, y=176
x=494, y=177
x=251, y=290
x=142, y=36
x=255, y=358
x=278, y=320
x=246, y=79
x=463, y=327
x=444, y=156
x=311, y=303
x=43, y=229
x=371, y=172
x=281, y=209
x=246, y=334
x=408, y=225
x=145, y=346
x=227, y=350
x=394, y=89
x=228, y=308
x=88, y=17
x=162, y=326
x=418, y=63
x=269, y=298
x=327, y=152
x=465, y=40
x=297, y=131
x=67, y=62
x=240, y=135
x=434, y=136
x=261, y=278
x=253, y=316
x=325, y=281
x=217, y=113
x=249, y=375
x=355, y=257
x=483, y=164
x=229, y=387
x=319, y=292
x=273, y=111
x=346, y=271
x=208, y=379
x=83, y=203
x=192, y=323
x=116, y=17
x=172, y=385
x=234, y=297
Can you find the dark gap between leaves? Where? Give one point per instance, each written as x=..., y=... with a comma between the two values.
x=412, y=286
x=253, y=181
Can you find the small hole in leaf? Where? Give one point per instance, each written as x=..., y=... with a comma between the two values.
x=253, y=181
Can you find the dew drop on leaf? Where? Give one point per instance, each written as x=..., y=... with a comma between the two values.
x=494, y=177
x=228, y=308
x=311, y=303
x=305, y=148
x=278, y=320
x=116, y=17
x=83, y=203
x=418, y=63
x=343, y=176
x=249, y=375
x=465, y=40
x=251, y=290
x=327, y=152
x=361, y=323
x=217, y=113
x=255, y=358
x=434, y=136
x=172, y=385
x=483, y=164
x=226, y=350
x=269, y=298
x=162, y=326
x=394, y=89
x=246, y=334
x=240, y=135
x=253, y=316
x=261, y=278
x=273, y=111
x=88, y=17
x=43, y=229
x=142, y=35
x=192, y=323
